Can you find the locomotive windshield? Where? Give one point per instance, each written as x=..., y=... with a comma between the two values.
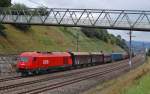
x=23, y=59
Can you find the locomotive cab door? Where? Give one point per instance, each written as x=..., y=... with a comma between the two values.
x=34, y=62
x=65, y=61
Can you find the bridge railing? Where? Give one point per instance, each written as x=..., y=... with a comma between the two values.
x=103, y=18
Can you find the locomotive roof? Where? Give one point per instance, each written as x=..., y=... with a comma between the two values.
x=41, y=54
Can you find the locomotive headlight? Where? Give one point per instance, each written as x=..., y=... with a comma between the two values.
x=22, y=64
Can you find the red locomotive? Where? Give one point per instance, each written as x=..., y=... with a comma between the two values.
x=35, y=62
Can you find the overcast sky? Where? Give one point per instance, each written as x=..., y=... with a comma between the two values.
x=98, y=4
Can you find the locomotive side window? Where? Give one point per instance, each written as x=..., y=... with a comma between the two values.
x=24, y=59
x=34, y=58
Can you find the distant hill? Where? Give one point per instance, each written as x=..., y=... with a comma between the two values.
x=140, y=44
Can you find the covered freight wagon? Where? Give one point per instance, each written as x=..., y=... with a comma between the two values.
x=107, y=58
x=97, y=57
x=80, y=58
x=116, y=56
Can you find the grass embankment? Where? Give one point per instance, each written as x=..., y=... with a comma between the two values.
x=135, y=82
x=46, y=38
x=140, y=86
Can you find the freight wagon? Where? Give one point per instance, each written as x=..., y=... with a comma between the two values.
x=116, y=56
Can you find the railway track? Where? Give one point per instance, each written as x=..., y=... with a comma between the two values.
x=53, y=77
x=10, y=78
x=75, y=80
x=15, y=78
x=68, y=82
x=110, y=68
x=19, y=77
x=53, y=86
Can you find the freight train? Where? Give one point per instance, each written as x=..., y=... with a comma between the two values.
x=30, y=63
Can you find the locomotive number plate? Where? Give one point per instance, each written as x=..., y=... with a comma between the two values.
x=45, y=61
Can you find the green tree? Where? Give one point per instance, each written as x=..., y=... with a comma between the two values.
x=25, y=8
x=112, y=39
x=96, y=33
x=103, y=35
x=2, y=32
x=42, y=11
x=19, y=6
x=5, y=3
x=122, y=43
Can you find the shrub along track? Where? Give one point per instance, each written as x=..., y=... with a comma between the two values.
x=75, y=77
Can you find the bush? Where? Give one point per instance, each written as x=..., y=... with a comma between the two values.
x=2, y=32
x=96, y=33
x=5, y=3
x=23, y=27
x=105, y=36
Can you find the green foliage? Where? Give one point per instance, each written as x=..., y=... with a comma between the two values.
x=5, y=3
x=23, y=27
x=122, y=43
x=142, y=86
x=46, y=38
x=96, y=33
x=2, y=32
x=41, y=11
x=103, y=35
x=112, y=39
x=19, y=6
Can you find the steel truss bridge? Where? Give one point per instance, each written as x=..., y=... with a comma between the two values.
x=99, y=18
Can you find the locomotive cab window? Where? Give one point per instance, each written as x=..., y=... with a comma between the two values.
x=24, y=59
